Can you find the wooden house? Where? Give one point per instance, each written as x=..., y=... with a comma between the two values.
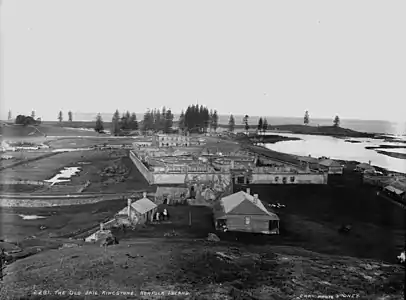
x=365, y=168
x=138, y=212
x=331, y=166
x=246, y=213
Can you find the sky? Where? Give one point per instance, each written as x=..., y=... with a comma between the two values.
x=268, y=58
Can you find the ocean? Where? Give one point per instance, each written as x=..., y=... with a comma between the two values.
x=374, y=126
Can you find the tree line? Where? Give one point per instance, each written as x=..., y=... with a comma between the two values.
x=158, y=120
x=198, y=119
x=306, y=119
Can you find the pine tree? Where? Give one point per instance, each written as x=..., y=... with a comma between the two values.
x=60, y=116
x=168, y=121
x=115, y=123
x=182, y=120
x=133, y=124
x=99, y=127
x=260, y=124
x=245, y=122
x=163, y=123
x=231, y=123
x=336, y=121
x=306, y=119
x=265, y=125
x=9, y=115
x=125, y=121
x=214, y=121
x=148, y=121
x=70, y=116
x=33, y=114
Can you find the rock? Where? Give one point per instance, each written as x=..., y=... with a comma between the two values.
x=213, y=238
x=42, y=227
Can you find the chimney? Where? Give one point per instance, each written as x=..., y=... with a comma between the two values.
x=129, y=207
x=369, y=162
x=255, y=198
x=101, y=227
x=248, y=191
x=144, y=194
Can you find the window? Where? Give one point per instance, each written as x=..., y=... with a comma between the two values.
x=284, y=179
x=276, y=179
x=247, y=220
x=292, y=179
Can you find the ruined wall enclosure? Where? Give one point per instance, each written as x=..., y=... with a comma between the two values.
x=141, y=167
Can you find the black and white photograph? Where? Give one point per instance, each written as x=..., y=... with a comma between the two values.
x=229, y=149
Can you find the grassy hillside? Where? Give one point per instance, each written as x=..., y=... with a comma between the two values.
x=17, y=131
x=278, y=267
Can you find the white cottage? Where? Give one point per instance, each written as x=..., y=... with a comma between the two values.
x=138, y=212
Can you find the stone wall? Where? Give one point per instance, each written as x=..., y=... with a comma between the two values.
x=181, y=178
x=142, y=168
x=258, y=178
x=28, y=182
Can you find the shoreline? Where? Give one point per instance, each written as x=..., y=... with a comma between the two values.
x=346, y=163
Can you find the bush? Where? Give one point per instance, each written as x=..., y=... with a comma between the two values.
x=25, y=120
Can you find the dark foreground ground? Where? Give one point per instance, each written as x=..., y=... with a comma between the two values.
x=308, y=257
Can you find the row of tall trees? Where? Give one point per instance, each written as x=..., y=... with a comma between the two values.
x=198, y=119
x=60, y=116
x=306, y=119
x=262, y=124
x=158, y=120
x=127, y=121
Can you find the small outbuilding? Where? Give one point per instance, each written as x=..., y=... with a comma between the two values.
x=331, y=166
x=365, y=168
x=396, y=189
x=138, y=212
x=246, y=213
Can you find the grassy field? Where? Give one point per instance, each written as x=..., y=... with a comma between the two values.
x=96, y=162
x=20, y=156
x=17, y=131
x=66, y=143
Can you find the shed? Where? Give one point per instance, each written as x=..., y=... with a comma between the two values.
x=363, y=167
x=396, y=189
x=244, y=212
x=331, y=166
x=138, y=212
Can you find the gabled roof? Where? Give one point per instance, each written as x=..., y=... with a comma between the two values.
x=141, y=206
x=329, y=163
x=308, y=159
x=365, y=166
x=394, y=190
x=231, y=202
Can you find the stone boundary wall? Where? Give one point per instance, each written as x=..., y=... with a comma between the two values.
x=28, y=182
x=180, y=178
x=56, y=201
x=258, y=178
x=25, y=161
x=142, y=168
